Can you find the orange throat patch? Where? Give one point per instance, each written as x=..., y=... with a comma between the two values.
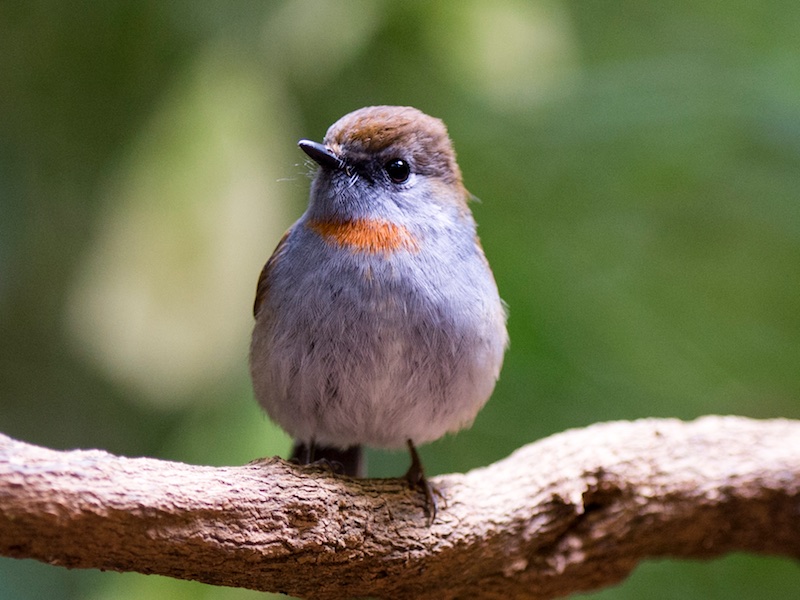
x=372, y=236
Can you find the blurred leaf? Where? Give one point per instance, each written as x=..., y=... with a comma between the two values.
x=163, y=299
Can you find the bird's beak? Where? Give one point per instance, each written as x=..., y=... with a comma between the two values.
x=321, y=154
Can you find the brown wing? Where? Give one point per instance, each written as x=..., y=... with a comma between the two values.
x=262, y=289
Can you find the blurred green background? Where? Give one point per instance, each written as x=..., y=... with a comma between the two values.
x=638, y=165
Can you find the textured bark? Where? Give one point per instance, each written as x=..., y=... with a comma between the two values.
x=576, y=511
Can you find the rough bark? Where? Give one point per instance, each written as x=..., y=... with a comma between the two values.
x=576, y=511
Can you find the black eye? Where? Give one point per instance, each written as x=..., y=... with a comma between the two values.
x=398, y=170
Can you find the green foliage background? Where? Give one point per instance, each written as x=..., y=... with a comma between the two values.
x=637, y=162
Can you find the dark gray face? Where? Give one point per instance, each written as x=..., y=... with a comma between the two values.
x=389, y=167
x=349, y=187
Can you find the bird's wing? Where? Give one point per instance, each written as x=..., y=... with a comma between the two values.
x=262, y=289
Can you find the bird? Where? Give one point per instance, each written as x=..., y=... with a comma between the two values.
x=378, y=321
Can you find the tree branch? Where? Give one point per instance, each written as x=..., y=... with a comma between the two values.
x=576, y=511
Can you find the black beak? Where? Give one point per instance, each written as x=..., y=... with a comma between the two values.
x=320, y=154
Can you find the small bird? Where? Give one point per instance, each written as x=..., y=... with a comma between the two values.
x=377, y=318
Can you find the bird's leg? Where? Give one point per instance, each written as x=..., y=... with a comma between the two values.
x=302, y=454
x=416, y=480
x=349, y=461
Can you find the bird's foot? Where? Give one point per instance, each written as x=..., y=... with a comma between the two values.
x=417, y=480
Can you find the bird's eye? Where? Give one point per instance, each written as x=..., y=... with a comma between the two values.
x=398, y=170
